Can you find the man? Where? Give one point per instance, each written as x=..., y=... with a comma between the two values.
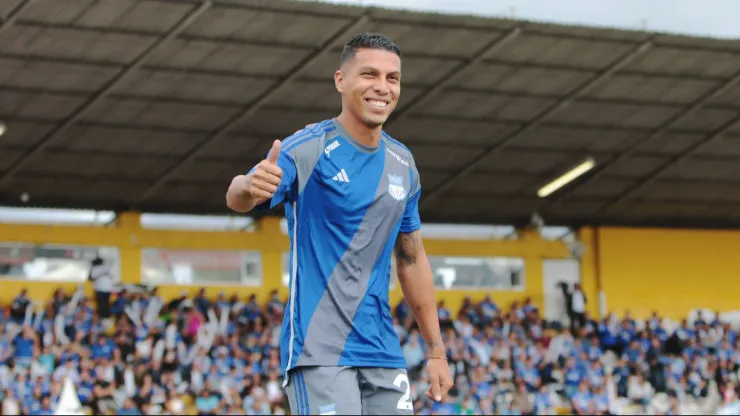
x=103, y=284
x=578, y=307
x=351, y=194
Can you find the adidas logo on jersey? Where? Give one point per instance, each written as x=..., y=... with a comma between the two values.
x=341, y=176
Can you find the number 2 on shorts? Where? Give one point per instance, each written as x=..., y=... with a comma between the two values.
x=404, y=403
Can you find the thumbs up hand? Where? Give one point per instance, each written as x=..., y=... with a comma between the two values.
x=264, y=181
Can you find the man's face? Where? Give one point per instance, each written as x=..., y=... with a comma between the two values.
x=370, y=84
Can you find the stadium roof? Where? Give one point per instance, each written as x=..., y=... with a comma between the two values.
x=155, y=104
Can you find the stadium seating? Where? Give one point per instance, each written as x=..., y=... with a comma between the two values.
x=207, y=356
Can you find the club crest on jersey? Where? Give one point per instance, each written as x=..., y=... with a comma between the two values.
x=395, y=187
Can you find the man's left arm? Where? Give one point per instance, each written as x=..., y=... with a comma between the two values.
x=415, y=277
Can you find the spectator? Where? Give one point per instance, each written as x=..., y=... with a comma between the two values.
x=578, y=306
x=19, y=306
x=639, y=390
x=413, y=351
x=220, y=356
x=520, y=404
x=103, y=282
x=10, y=404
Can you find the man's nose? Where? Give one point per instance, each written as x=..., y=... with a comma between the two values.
x=381, y=87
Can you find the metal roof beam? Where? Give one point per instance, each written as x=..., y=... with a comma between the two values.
x=452, y=75
x=165, y=98
x=587, y=86
x=12, y=17
x=101, y=95
x=255, y=106
x=567, y=193
x=672, y=162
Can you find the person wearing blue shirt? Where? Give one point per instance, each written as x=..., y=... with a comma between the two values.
x=85, y=388
x=19, y=306
x=402, y=311
x=594, y=351
x=596, y=374
x=103, y=349
x=583, y=400
x=600, y=400
x=6, y=351
x=542, y=402
x=201, y=302
x=24, y=344
x=275, y=305
x=633, y=353
x=129, y=409
x=626, y=333
x=621, y=374
x=444, y=408
x=206, y=403
x=351, y=195
x=644, y=341
x=489, y=308
x=45, y=408
x=573, y=377
x=608, y=335
x=443, y=313
x=119, y=305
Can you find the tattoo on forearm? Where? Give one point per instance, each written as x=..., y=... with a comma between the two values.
x=407, y=245
x=435, y=344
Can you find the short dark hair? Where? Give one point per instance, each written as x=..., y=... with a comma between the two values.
x=368, y=40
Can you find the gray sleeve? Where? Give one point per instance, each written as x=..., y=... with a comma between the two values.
x=306, y=156
x=416, y=178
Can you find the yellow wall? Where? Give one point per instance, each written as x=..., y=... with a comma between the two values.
x=130, y=238
x=642, y=270
x=671, y=271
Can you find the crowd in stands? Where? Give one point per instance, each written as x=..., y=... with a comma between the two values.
x=195, y=355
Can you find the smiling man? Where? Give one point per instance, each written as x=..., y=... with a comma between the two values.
x=351, y=196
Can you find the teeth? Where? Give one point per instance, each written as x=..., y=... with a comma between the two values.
x=375, y=103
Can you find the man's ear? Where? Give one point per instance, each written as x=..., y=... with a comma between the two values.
x=339, y=80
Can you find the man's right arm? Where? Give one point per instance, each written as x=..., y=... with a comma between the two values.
x=238, y=198
x=265, y=182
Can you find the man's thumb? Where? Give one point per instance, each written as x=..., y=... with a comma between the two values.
x=274, y=152
x=435, y=388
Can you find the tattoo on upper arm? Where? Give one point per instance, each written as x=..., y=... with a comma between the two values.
x=407, y=247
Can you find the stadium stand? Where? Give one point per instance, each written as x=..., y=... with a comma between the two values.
x=161, y=111
x=196, y=355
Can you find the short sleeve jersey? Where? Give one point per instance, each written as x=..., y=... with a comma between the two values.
x=345, y=204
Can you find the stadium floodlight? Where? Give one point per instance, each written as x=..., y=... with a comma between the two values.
x=3, y=128
x=566, y=178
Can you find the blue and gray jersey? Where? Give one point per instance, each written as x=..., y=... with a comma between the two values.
x=345, y=204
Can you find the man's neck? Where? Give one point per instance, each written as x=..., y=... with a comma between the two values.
x=363, y=134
